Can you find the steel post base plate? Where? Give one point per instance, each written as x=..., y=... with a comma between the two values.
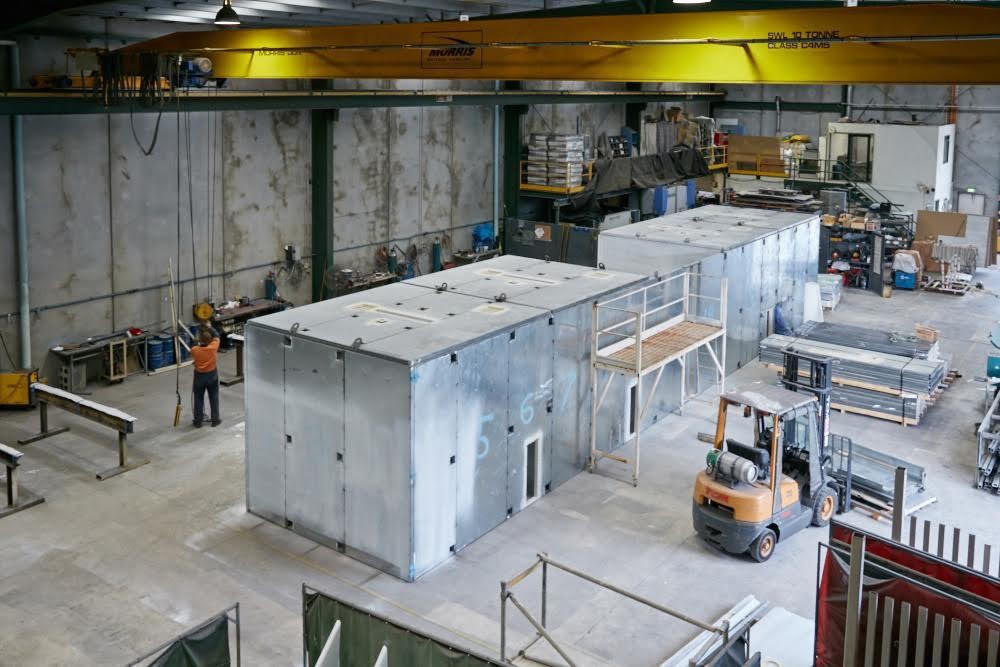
x=24, y=501
x=43, y=435
x=117, y=470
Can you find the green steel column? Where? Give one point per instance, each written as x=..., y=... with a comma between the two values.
x=321, y=124
x=633, y=110
x=512, y=153
x=20, y=215
x=322, y=203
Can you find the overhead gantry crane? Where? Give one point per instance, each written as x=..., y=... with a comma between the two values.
x=904, y=44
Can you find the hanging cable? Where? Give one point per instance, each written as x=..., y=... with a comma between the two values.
x=190, y=180
x=156, y=132
x=177, y=257
x=210, y=196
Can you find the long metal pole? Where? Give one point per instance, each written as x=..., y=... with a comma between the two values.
x=503, y=621
x=898, y=502
x=545, y=590
x=238, y=648
x=540, y=629
x=632, y=596
x=854, y=592
x=20, y=216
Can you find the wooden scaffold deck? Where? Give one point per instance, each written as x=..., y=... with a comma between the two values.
x=642, y=332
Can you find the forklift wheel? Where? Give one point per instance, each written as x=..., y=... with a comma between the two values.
x=824, y=508
x=763, y=547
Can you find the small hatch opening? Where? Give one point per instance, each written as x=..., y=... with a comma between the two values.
x=532, y=469
x=633, y=393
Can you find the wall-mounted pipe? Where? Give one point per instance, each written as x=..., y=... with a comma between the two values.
x=20, y=216
x=837, y=107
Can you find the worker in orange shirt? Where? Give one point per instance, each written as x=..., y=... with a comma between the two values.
x=206, y=375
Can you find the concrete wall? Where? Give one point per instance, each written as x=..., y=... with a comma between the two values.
x=106, y=219
x=977, y=135
x=408, y=176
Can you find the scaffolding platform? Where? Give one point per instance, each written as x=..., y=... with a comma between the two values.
x=643, y=331
x=662, y=347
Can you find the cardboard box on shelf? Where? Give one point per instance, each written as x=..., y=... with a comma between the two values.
x=829, y=220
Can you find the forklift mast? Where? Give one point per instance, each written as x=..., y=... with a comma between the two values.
x=817, y=381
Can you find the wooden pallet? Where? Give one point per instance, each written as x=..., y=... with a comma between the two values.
x=955, y=289
x=903, y=421
x=845, y=382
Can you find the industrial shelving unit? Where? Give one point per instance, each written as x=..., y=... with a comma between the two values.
x=640, y=333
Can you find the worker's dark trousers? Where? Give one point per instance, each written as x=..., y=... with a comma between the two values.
x=202, y=382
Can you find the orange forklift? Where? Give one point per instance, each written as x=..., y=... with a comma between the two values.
x=751, y=496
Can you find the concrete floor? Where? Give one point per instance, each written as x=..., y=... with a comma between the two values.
x=104, y=571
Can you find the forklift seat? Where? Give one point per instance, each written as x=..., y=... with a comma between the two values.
x=759, y=457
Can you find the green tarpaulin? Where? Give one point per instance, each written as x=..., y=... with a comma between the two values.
x=205, y=647
x=363, y=635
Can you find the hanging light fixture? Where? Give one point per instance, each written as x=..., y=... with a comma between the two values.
x=227, y=15
x=691, y=2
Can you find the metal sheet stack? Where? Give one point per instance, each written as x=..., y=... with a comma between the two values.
x=777, y=200
x=881, y=374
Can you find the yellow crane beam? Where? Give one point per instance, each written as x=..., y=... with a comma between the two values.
x=915, y=44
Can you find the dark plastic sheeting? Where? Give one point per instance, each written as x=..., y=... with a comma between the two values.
x=205, y=647
x=362, y=636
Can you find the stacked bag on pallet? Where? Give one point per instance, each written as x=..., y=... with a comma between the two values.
x=555, y=159
x=536, y=169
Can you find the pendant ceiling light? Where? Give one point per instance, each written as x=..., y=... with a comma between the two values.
x=227, y=15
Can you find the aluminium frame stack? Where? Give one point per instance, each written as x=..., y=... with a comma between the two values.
x=988, y=448
x=887, y=375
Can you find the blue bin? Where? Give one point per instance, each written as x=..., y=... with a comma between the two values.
x=154, y=354
x=168, y=350
x=661, y=198
x=904, y=280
